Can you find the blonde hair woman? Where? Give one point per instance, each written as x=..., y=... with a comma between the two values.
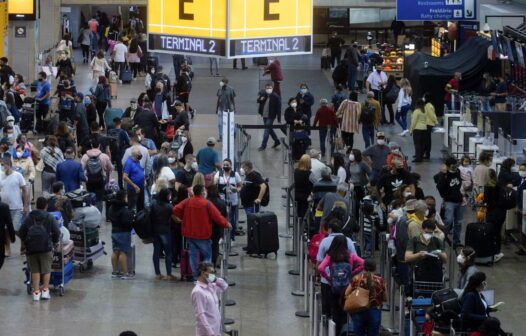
x=404, y=104
x=302, y=184
x=199, y=178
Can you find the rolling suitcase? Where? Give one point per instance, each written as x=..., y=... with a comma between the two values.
x=262, y=233
x=480, y=237
x=26, y=120
x=110, y=114
x=325, y=62
x=126, y=76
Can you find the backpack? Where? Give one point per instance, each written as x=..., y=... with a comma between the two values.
x=37, y=238
x=368, y=114
x=507, y=198
x=94, y=170
x=266, y=197
x=341, y=275
x=184, y=84
x=314, y=246
x=142, y=224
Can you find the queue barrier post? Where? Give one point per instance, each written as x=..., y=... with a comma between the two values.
x=401, y=312
x=309, y=290
x=303, y=278
x=392, y=303
x=288, y=234
x=224, y=272
x=452, y=259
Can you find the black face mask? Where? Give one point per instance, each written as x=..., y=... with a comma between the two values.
x=432, y=212
x=225, y=168
x=139, y=157
x=400, y=170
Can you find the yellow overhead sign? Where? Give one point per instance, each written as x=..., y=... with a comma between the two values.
x=230, y=28
x=21, y=9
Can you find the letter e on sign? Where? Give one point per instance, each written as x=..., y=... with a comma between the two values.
x=267, y=15
x=182, y=14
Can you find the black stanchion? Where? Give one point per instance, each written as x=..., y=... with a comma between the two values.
x=302, y=285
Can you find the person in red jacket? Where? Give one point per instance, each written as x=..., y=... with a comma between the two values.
x=326, y=117
x=274, y=69
x=197, y=214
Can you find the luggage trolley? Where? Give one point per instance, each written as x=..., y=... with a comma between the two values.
x=422, y=291
x=88, y=246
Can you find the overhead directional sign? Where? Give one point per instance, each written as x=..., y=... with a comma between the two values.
x=230, y=28
x=436, y=10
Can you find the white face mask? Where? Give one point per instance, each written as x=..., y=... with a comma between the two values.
x=221, y=84
x=171, y=160
x=514, y=169
x=133, y=106
x=184, y=139
x=407, y=193
x=139, y=138
x=351, y=157
x=195, y=166
x=399, y=213
x=427, y=213
x=211, y=278
x=303, y=91
x=242, y=172
x=460, y=259
x=152, y=71
x=390, y=220
x=11, y=123
x=19, y=154
x=381, y=142
x=268, y=91
x=522, y=173
x=293, y=105
x=427, y=236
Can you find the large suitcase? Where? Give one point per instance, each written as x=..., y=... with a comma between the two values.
x=480, y=237
x=88, y=216
x=262, y=233
x=186, y=268
x=26, y=120
x=126, y=76
x=325, y=62
x=110, y=114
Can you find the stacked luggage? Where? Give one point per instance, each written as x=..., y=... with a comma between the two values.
x=27, y=114
x=84, y=229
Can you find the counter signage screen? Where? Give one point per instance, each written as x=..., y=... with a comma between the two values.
x=21, y=10
x=436, y=10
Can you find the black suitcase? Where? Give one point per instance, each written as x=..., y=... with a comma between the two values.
x=26, y=121
x=262, y=233
x=480, y=237
x=325, y=62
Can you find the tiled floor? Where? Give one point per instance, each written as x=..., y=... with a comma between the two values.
x=96, y=305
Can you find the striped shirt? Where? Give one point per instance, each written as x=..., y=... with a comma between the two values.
x=349, y=114
x=51, y=156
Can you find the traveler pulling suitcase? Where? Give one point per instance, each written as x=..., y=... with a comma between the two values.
x=262, y=233
x=479, y=236
x=126, y=76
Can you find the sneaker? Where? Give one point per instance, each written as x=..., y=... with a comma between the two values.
x=128, y=276
x=170, y=278
x=116, y=275
x=498, y=257
x=404, y=133
x=261, y=149
x=276, y=144
x=45, y=294
x=36, y=296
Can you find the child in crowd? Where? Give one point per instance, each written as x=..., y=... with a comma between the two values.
x=466, y=174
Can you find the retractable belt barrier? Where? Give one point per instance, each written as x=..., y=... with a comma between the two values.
x=224, y=274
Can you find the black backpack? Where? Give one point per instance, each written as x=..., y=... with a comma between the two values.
x=142, y=224
x=368, y=114
x=38, y=239
x=266, y=197
x=94, y=170
x=507, y=198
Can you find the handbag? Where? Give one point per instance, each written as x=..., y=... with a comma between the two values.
x=357, y=301
x=40, y=166
x=338, y=141
x=392, y=94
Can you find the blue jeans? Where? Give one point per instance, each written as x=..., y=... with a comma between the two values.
x=401, y=116
x=268, y=131
x=351, y=80
x=164, y=242
x=93, y=39
x=251, y=209
x=368, y=135
x=453, y=220
x=199, y=247
x=367, y=321
x=232, y=218
x=323, y=136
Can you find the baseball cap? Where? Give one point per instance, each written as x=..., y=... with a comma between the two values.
x=380, y=135
x=211, y=141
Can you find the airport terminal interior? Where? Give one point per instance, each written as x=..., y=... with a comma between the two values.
x=262, y=299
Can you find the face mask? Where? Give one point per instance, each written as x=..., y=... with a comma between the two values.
x=407, y=193
x=184, y=139
x=460, y=259
x=139, y=138
x=40, y=79
x=19, y=154
x=171, y=160
x=268, y=91
x=390, y=220
x=134, y=106
x=211, y=278
x=195, y=166
x=139, y=157
x=304, y=91
x=513, y=169
x=242, y=172
x=221, y=84
x=227, y=168
x=399, y=213
x=10, y=135
x=381, y=142
x=400, y=170
x=427, y=213
x=11, y=123
x=152, y=71
x=522, y=173
x=427, y=236
x=293, y=105
x=351, y=157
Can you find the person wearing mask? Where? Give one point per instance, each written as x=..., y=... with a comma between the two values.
x=185, y=175
x=7, y=232
x=353, y=59
x=359, y=174
x=326, y=117
x=217, y=231
x=23, y=163
x=39, y=247
x=340, y=75
x=425, y=243
x=500, y=94
x=80, y=118
x=43, y=100
x=146, y=165
x=466, y=262
x=208, y=160
x=376, y=157
x=11, y=105
x=119, y=55
x=162, y=103
x=452, y=88
x=449, y=184
x=145, y=141
x=269, y=109
x=121, y=226
x=475, y=309
x=123, y=142
x=276, y=76
x=134, y=178
x=163, y=175
x=229, y=183
x=302, y=185
x=180, y=121
x=507, y=174
x=58, y=202
x=102, y=98
x=419, y=129
x=293, y=116
x=64, y=137
x=197, y=214
x=64, y=65
x=335, y=44
x=368, y=322
x=97, y=169
x=51, y=156
x=391, y=181
x=316, y=165
x=434, y=215
x=129, y=114
x=348, y=115
x=305, y=101
x=376, y=81
x=389, y=98
x=148, y=122
x=404, y=104
x=186, y=146
x=99, y=65
x=496, y=210
x=205, y=300
x=225, y=103
x=66, y=93
x=480, y=173
x=338, y=167
x=370, y=118
x=161, y=210
x=431, y=121
x=134, y=56
x=253, y=189
x=416, y=218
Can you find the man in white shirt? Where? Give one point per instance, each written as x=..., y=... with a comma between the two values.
x=14, y=193
x=316, y=165
x=376, y=81
x=120, y=54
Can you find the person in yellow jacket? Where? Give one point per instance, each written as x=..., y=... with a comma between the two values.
x=431, y=121
x=419, y=129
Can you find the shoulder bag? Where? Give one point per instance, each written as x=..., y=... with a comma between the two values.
x=357, y=300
